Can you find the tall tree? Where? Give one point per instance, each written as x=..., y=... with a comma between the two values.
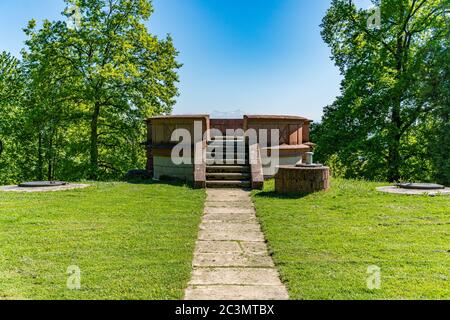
x=115, y=71
x=11, y=95
x=436, y=92
x=385, y=78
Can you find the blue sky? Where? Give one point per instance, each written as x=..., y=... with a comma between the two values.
x=255, y=56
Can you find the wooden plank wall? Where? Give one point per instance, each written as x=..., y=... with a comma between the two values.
x=291, y=131
x=224, y=124
x=163, y=128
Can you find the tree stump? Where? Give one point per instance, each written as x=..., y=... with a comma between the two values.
x=290, y=179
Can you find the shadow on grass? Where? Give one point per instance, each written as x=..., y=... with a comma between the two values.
x=276, y=195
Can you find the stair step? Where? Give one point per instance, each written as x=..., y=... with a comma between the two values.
x=222, y=162
x=225, y=168
x=226, y=142
x=227, y=138
x=228, y=184
x=227, y=148
x=227, y=176
x=228, y=155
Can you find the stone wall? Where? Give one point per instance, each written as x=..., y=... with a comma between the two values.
x=302, y=180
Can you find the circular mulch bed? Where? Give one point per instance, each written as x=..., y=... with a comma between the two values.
x=430, y=192
x=37, y=187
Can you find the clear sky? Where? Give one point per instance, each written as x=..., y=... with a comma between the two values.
x=251, y=56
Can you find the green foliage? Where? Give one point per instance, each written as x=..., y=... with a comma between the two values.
x=90, y=88
x=394, y=93
x=12, y=91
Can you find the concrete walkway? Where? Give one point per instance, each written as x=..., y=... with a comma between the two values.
x=231, y=261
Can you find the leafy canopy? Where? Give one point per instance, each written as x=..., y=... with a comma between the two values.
x=394, y=92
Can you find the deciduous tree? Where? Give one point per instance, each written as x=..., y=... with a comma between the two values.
x=389, y=86
x=112, y=70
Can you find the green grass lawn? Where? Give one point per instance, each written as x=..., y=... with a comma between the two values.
x=324, y=243
x=130, y=241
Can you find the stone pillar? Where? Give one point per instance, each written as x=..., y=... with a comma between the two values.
x=149, y=147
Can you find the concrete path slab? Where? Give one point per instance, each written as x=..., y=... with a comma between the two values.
x=228, y=209
x=220, y=292
x=231, y=247
x=206, y=260
x=226, y=195
x=218, y=246
x=229, y=217
x=238, y=234
x=229, y=226
x=235, y=276
x=231, y=260
x=226, y=204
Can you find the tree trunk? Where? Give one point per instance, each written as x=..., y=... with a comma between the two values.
x=40, y=163
x=441, y=155
x=394, y=144
x=50, y=161
x=394, y=159
x=396, y=121
x=94, y=143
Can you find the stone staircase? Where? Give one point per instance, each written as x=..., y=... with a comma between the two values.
x=227, y=163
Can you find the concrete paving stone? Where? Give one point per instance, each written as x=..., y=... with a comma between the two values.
x=218, y=246
x=231, y=247
x=236, y=293
x=226, y=195
x=226, y=191
x=229, y=210
x=230, y=235
x=231, y=260
x=235, y=276
x=236, y=204
x=229, y=217
x=227, y=199
x=253, y=247
x=230, y=226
